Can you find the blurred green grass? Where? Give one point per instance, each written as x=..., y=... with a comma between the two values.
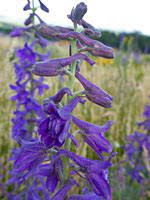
x=126, y=78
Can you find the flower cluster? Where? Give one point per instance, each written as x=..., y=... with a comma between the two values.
x=137, y=150
x=28, y=111
x=49, y=157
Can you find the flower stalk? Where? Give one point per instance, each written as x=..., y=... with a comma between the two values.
x=73, y=66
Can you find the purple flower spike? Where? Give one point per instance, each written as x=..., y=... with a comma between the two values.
x=94, y=93
x=93, y=136
x=78, y=12
x=57, y=66
x=60, y=195
x=58, y=97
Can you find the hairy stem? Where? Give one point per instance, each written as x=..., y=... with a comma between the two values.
x=71, y=86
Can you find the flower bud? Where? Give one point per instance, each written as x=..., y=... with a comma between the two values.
x=27, y=6
x=78, y=12
x=43, y=7
x=55, y=67
x=94, y=93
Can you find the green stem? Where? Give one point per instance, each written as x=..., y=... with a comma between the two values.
x=73, y=66
x=72, y=77
x=71, y=84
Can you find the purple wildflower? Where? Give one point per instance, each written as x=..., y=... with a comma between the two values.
x=27, y=6
x=57, y=66
x=94, y=93
x=30, y=156
x=54, y=129
x=18, y=31
x=134, y=150
x=29, y=20
x=146, y=123
x=78, y=12
x=43, y=7
x=26, y=55
x=95, y=172
x=93, y=135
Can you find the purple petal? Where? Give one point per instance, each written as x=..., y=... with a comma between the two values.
x=43, y=126
x=66, y=111
x=64, y=132
x=29, y=20
x=55, y=67
x=58, y=97
x=51, y=182
x=43, y=7
x=78, y=12
x=99, y=185
x=27, y=6
x=60, y=195
x=88, y=196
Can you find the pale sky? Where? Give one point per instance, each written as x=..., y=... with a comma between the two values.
x=117, y=15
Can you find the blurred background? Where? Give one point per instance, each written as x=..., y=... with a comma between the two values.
x=124, y=26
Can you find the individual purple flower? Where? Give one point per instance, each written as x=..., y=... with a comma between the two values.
x=30, y=156
x=78, y=12
x=42, y=41
x=26, y=55
x=54, y=130
x=95, y=172
x=94, y=93
x=57, y=66
x=21, y=91
x=93, y=136
x=40, y=86
x=18, y=31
